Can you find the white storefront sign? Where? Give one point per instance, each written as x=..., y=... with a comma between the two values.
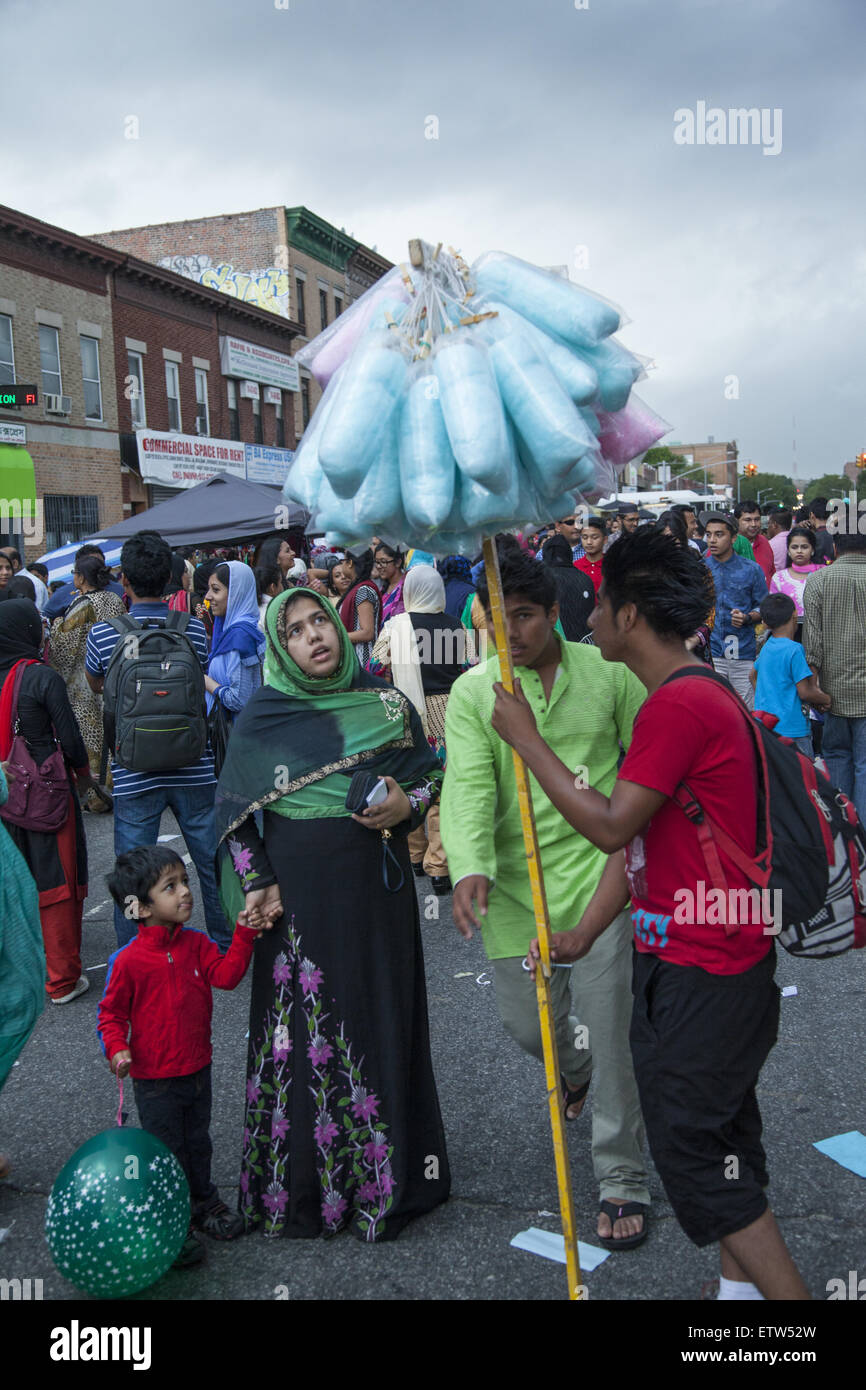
x=266, y=465
x=182, y=460
x=12, y=434
x=250, y=390
x=253, y=363
x=273, y=395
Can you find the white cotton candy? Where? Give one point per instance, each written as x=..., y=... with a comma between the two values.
x=473, y=412
x=552, y=303
x=365, y=399
x=428, y=470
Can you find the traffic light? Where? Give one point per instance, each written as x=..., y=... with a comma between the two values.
x=861, y=460
x=750, y=470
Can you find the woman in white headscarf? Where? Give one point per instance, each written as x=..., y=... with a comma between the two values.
x=422, y=652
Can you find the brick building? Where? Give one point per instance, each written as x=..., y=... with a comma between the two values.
x=56, y=333
x=147, y=381
x=288, y=261
x=718, y=459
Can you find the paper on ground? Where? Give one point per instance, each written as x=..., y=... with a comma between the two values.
x=848, y=1150
x=788, y=991
x=551, y=1246
x=163, y=838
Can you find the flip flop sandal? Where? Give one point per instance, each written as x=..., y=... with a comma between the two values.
x=572, y=1098
x=614, y=1212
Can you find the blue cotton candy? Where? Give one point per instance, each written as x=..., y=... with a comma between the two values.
x=552, y=303
x=378, y=499
x=576, y=377
x=618, y=370
x=363, y=405
x=549, y=423
x=305, y=476
x=428, y=470
x=474, y=414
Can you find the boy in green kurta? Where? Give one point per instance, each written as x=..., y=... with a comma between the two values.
x=585, y=708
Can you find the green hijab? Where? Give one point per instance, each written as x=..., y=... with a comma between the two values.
x=298, y=730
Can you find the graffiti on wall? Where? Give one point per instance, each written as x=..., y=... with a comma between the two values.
x=268, y=288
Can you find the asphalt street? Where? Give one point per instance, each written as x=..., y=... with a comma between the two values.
x=60, y=1093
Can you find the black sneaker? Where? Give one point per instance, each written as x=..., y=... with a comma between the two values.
x=218, y=1222
x=441, y=885
x=192, y=1252
x=418, y=869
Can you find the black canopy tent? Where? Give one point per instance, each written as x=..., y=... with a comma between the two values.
x=223, y=508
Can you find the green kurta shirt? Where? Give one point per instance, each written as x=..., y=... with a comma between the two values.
x=592, y=708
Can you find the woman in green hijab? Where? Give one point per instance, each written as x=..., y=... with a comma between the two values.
x=342, y=1120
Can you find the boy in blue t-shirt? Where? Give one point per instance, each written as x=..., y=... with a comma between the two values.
x=782, y=677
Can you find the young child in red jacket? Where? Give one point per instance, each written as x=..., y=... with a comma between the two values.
x=155, y=1022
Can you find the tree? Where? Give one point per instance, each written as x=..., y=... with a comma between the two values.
x=835, y=485
x=777, y=488
x=661, y=454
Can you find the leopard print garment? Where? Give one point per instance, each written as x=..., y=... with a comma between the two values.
x=66, y=655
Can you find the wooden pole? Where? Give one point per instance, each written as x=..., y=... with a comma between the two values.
x=542, y=927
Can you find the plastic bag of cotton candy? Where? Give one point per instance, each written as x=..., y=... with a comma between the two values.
x=460, y=401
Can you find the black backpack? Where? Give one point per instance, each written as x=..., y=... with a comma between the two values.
x=154, y=695
x=811, y=846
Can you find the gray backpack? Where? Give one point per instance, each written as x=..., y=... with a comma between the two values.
x=154, y=695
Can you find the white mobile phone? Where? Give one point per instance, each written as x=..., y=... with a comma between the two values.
x=379, y=793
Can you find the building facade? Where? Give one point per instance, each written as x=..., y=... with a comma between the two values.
x=147, y=382
x=56, y=333
x=287, y=261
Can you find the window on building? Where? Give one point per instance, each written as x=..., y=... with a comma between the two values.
x=172, y=391
x=234, y=414
x=338, y=306
x=134, y=388
x=257, y=422
x=90, y=375
x=7, y=355
x=281, y=424
x=305, y=402
x=323, y=307
x=49, y=358
x=302, y=312
x=69, y=519
x=202, y=421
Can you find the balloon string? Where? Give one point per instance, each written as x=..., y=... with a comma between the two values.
x=120, y=1100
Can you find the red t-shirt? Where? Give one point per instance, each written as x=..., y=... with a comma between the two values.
x=592, y=568
x=764, y=556
x=690, y=731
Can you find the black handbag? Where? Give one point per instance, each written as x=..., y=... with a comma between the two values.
x=219, y=727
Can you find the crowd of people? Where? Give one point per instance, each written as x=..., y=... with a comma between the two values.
x=327, y=728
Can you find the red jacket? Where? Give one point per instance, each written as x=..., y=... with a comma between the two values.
x=158, y=1002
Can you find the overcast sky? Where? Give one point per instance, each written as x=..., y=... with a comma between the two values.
x=555, y=132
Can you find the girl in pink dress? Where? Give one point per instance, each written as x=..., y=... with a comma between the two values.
x=801, y=563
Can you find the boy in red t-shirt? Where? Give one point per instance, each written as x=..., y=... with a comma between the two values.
x=706, y=1006
x=155, y=1021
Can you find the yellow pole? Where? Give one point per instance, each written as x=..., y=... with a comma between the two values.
x=542, y=927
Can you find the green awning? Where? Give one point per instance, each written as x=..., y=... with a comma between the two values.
x=17, y=487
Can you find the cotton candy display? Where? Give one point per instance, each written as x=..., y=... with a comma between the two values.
x=464, y=400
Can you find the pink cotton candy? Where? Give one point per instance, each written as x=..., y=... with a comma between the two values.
x=629, y=432
x=350, y=325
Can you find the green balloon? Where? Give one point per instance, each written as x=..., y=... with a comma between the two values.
x=118, y=1213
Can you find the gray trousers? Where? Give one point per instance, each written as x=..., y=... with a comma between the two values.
x=591, y=1003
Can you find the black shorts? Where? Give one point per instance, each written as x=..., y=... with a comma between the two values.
x=698, y=1042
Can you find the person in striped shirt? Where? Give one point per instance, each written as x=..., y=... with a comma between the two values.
x=141, y=797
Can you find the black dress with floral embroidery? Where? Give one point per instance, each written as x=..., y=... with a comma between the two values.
x=342, y=1124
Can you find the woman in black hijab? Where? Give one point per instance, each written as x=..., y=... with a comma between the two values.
x=57, y=861
x=573, y=589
